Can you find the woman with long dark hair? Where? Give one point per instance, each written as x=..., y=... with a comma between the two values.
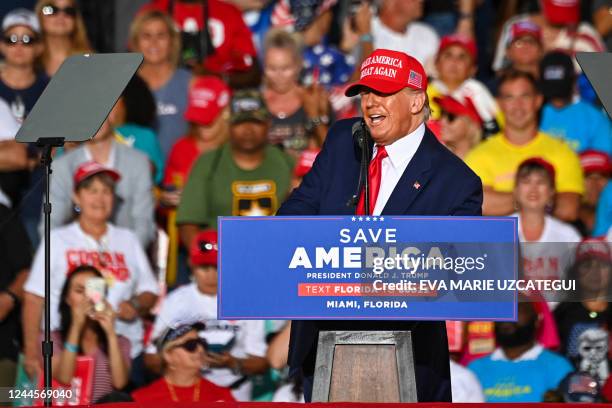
x=88, y=330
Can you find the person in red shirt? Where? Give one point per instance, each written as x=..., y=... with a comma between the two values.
x=234, y=54
x=208, y=116
x=183, y=355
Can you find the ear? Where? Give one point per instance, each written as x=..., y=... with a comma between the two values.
x=167, y=357
x=75, y=199
x=474, y=69
x=417, y=102
x=539, y=100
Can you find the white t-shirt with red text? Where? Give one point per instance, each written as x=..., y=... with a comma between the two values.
x=240, y=338
x=119, y=257
x=550, y=256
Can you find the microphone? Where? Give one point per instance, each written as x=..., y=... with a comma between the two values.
x=358, y=134
x=361, y=133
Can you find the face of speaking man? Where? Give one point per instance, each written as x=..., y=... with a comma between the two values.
x=392, y=116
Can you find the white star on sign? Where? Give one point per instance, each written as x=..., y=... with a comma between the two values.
x=367, y=218
x=353, y=219
x=360, y=218
x=374, y=219
x=381, y=219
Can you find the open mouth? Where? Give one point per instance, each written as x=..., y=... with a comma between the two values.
x=376, y=119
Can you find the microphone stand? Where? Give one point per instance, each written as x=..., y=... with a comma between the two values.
x=365, y=162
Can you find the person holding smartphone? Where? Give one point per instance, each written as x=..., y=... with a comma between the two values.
x=89, y=331
x=235, y=349
x=92, y=240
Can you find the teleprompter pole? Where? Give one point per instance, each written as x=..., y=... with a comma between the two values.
x=47, y=345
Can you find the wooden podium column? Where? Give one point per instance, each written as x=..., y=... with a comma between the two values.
x=364, y=366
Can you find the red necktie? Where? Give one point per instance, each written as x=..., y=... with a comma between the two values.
x=374, y=175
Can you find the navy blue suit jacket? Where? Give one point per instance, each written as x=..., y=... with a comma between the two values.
x=447, y=187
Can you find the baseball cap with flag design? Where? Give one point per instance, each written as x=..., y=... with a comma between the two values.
x=388, y=72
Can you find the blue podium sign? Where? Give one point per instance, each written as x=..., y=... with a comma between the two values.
x=371, y=268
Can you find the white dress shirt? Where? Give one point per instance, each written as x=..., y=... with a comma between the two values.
x=399, y=155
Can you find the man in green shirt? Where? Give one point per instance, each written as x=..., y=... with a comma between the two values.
x=245, y=176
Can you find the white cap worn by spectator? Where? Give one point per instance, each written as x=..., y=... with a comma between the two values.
x=21, y=17
x=8, y=124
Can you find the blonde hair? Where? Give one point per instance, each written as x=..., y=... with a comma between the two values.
x=474, y=132
x=80, y=43
x=279, y=38
x=150, y=15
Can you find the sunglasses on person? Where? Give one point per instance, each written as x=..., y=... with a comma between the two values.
x=15, y=39
x=449, y=116
x=51, y=10
x=192, y=345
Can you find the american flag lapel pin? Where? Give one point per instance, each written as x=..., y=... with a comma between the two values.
x=416, y=185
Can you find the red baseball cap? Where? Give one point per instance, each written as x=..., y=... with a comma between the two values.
x=208, y=96
x=561, y=11
x=204, y=249
x=550, y=169
x=467, y=43
x=524, y=28
x=388, y=72
x=594, y=161
x=91, y=168
x=593, y=248
x=305, y=162
x=466, y=108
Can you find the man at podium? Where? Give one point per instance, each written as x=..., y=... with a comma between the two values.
x=410, y=173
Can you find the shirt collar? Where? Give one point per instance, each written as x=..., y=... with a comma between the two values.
x=5, y=200
x=102, y=244
x=401, y=151
x=531, y=354
x=111, y=157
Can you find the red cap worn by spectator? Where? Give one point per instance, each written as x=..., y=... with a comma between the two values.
x=208, y=96
x=524, y=28
x=388, y=72
x=550, y=169
x=451, y=105
x=305, y=162
x=561, y=12
x=593, y=248
x=595, y=161
x=204, y=249
x=91, y=168
x=465, y=42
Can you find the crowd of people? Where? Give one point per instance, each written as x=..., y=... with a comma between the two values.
x=226, y=114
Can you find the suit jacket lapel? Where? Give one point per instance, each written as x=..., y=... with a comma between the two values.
x=415, y=177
